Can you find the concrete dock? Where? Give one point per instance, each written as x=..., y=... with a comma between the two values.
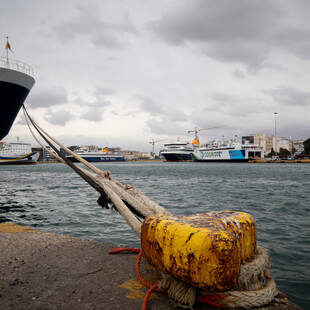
x=47, y=271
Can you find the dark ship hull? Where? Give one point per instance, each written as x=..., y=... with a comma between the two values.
x=14, y=88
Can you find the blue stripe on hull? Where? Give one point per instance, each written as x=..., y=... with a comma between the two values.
x=99, y=159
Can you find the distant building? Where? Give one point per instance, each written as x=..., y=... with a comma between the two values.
x=268, y=143
x=284, y=143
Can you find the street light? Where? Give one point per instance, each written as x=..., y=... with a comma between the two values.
x=275, y=131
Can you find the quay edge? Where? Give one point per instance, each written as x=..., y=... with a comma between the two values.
x=41, y=270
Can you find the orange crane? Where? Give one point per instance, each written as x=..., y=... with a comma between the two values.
x=196, y=140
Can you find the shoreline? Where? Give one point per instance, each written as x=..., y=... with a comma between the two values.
x=41, y=270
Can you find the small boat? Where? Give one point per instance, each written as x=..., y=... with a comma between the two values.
x=104, y=155
x=228, y=151
x=17, y=154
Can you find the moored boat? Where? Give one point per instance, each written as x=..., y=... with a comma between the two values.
x=16, y=81
x=229, y=151
x=103, y=155
x=177, y=151
x=17, y=154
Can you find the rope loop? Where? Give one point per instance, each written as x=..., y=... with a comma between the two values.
x=254, y=295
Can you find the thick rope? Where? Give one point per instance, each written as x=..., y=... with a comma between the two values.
x=185, y=294
x=247, y=299
x=112, y=191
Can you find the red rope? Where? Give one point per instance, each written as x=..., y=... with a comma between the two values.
x=118, y=250
x=148, y=294
x=142, y=280
x=153, y=287
x=210, y=300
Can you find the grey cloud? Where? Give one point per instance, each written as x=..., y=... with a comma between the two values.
x=149, y=105
x=94, y=114
x=165, y=126
x=289, y=96
x=156, y=109
x=60, y=117
x=238, y=74
x=99, y=102
x=236, y=31
x=176, y=114
x=103, y=91
x=42, y=97
x=101, y=33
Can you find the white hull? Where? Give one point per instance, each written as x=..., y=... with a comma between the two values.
x=25, y=159
x=234, y=152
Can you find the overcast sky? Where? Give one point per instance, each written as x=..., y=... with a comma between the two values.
x=122, y=73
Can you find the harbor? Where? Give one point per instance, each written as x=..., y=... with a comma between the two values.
x=216, y=215
x=278, y=203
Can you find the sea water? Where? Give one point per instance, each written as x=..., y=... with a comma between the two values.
x=53, y=198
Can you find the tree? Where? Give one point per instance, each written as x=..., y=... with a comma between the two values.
x=306, y=147
x=284, y=152
x=272, y=153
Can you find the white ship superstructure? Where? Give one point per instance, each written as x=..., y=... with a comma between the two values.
x=17, y=153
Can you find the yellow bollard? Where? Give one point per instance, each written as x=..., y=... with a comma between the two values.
x=205, y=249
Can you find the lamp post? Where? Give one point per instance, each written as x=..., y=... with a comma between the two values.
x=275, y=131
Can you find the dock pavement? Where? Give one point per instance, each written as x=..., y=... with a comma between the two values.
x=48, y=271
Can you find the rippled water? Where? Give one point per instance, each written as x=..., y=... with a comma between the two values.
x=53, y=198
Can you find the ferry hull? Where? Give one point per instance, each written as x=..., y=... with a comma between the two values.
x=177, y=157
x=26, y=159
x=98, y=159
x=14, y=88
x=221, y=156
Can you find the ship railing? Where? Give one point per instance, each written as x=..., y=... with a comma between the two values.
x=16, y=65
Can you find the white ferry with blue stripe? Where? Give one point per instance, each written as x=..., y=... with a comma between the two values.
x=103, y=155
x=18, y=153
x=231, y=151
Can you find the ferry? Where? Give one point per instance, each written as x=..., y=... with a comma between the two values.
x=177, y=151
x=17, y=154
x=103, y=155
x=181, y=150
x=229, y=151
x=16, y=81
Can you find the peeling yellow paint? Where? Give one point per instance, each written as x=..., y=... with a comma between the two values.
x=205, y=250
x=13, y=228
x=135, y=289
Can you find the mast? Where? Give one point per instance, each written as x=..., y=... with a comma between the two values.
x=7, y=47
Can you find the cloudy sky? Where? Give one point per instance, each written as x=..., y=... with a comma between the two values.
x=125, y=72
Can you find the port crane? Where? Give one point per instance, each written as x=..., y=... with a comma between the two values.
x=153, y=143
x=196, y=140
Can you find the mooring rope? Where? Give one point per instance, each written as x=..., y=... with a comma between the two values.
x=132, y=204
x=184, y=294
x=127, y=200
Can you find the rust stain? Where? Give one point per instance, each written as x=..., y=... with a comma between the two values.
x=14, y=228
x=136, y=289
x=204, y=249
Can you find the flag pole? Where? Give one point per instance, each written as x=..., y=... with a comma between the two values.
x=7, y=51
